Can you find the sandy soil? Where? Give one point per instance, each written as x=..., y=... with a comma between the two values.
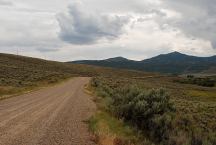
x=51, y=116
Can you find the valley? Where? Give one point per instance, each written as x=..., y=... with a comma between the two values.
x=180, y=109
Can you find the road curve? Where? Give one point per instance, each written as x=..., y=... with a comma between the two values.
x=51, y=116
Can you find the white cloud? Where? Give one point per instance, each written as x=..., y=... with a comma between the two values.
x=26, y=28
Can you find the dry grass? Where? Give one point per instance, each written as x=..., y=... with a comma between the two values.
x=204, y=95
x=111, y=131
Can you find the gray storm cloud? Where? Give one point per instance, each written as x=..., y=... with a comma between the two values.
x=198, y=18
x=5, y=3
x=81, y=27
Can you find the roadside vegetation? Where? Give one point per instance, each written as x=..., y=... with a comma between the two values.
x=159, y=110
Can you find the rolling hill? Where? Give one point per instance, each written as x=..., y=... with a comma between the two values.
x=174, y=62
x=19, y=72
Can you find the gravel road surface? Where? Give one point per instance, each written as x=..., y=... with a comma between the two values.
x=50, y=116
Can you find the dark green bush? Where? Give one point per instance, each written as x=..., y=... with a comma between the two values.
x=190, y=76
x=146, y=109
x=205, y=82
x=94, y=83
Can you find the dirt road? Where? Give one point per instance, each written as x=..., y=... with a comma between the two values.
x=51, y=116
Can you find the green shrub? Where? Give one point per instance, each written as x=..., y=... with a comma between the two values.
x=94, y=83
x=205, y=82
x=190, y=76
x=147, y=110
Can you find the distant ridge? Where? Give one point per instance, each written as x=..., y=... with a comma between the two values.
x=174, y=62
x=117, y=59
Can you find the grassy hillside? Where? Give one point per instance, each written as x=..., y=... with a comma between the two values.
x=18, y=73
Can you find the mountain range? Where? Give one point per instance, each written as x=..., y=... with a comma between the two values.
x=173, y=63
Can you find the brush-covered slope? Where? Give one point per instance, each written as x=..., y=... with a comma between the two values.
x=21, y=71
x=20, y=74
x=166, y=63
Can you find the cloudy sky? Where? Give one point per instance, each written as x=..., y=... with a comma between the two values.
x=66, y=30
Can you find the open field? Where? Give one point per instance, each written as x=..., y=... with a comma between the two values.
x=194, y=121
